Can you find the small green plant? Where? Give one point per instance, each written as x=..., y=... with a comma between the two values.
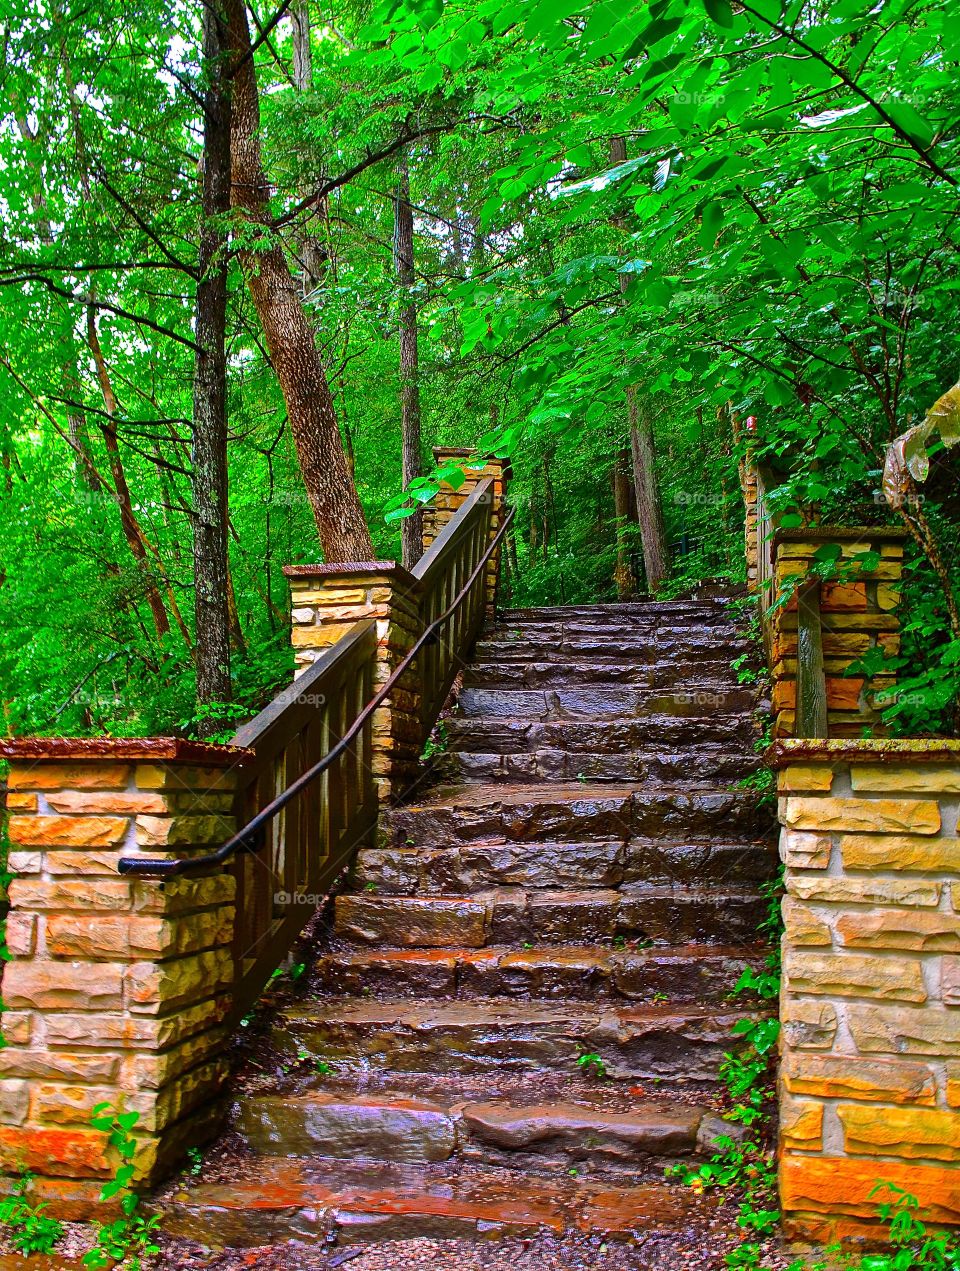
x=659, y=998
x=322, y=1068
x=592, y=1065
x=130, y=1237
x=746, y=674
x=27, y=1227
x=194, y=1161
x=437, y=742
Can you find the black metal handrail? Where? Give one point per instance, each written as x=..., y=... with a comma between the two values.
x=249, y=838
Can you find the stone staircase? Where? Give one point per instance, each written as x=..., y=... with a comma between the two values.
x=519, y=1017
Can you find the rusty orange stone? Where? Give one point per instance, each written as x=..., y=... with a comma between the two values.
x=841, y=1185
x=73, y=1153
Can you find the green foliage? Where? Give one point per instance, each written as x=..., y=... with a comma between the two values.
x=26, y=1226
x=131, y=1236
x=592, y=1065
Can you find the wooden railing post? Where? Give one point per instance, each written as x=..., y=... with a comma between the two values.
x=327, y=600
x=449, y=501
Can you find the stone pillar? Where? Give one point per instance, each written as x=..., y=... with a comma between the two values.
x=857, y=614
x=327, y=600
x=449, y=501
x=118, y=985
x=870, y=1006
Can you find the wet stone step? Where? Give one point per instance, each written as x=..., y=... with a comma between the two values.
x=705, y=769
x=481, y=865
x=514, y=916
x=590, y=703
x=314, y=1201
x=675, y=973
x=681, y=1043
x=556, y=812
x=542, y=673
x=600, y=736
x=400, y=1126
x=643, y=645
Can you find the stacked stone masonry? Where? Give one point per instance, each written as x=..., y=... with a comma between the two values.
x=448, y=502
x=858, y=612
x=118, y=987
x=327, y=601
x=870, y=1072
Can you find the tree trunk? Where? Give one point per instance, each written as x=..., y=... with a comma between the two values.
x=653, y=538
x=289, y=334
x=302, y=53
x=623, y=577
x=128, y=520
x=649, y=512
x=412, y=526
x=210, y=559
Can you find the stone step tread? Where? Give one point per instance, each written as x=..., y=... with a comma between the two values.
x=678, y=973
x=596, y=702
x=506, y=1011
x=574, y=955
x=512, y=915
x=413, y=1124
x=573, y=792
x=601, y=733
x=313, y=1201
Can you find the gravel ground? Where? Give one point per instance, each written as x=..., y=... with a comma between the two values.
x=688, y=1251
x=699, y=1247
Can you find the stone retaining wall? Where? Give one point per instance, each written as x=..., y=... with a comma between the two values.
x=857, y=614
x=448, y=502
x=327, y=601
x=870, y=1007
x=118, y=986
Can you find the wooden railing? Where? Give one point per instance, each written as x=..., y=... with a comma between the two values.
x=443, y=571
x=309, y=800
x=312, y=838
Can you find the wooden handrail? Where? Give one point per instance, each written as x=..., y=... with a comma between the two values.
x=309, y=798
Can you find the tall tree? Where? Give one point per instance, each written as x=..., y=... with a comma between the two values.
x=653, y=537
x=411, y=526
x=209, y=432
x=289, y=334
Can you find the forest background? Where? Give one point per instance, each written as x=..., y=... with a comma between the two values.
x=259, y=260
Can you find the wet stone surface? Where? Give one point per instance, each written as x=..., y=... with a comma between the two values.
x=581, y=879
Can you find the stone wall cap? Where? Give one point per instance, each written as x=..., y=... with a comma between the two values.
x=151, y=749
x=878, y=750
x=341, y=569
x=840, y=534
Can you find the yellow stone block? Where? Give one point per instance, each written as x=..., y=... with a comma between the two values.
x=913, y=1133
x=917, y=930
x=878, y=816
x=896, y=1030
x=866, y=891
x=808, y=1025
x=888, y=596
x=801, y=1123
x=805, y=777
x=67, y=831
x=68, y=776
x=921, y=779
x=849, y=975
x=855, y=1077
x=900, y=852
x=800, y=850
x=803, y=926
